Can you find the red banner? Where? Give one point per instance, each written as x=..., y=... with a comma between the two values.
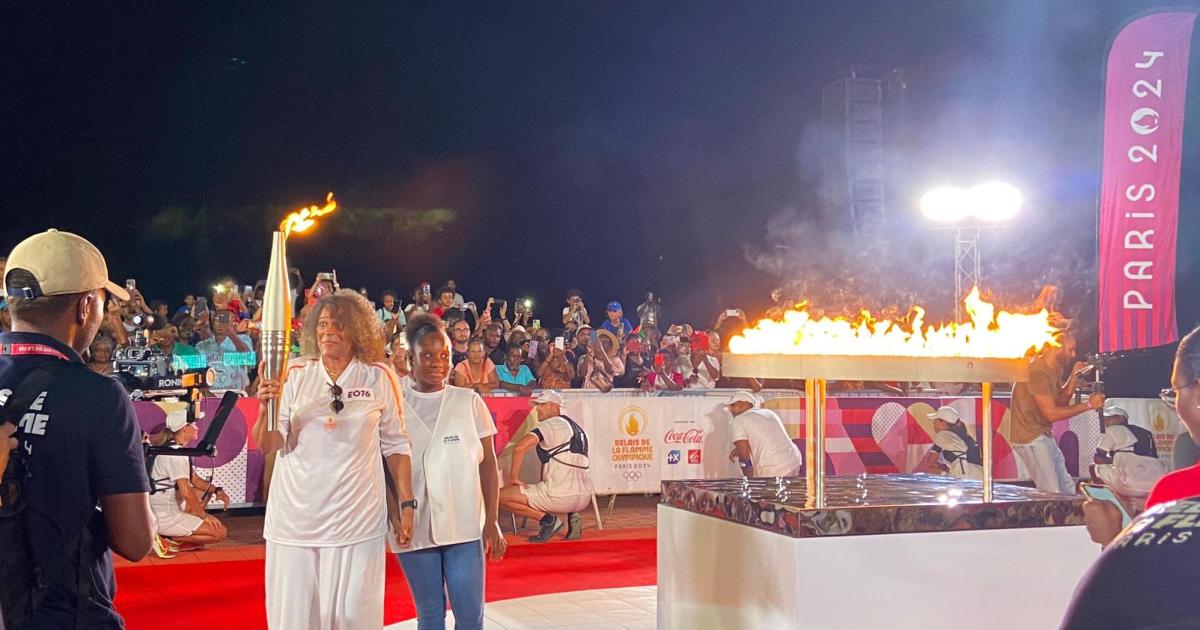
x=1145, y=94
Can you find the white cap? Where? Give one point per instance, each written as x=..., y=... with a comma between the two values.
x=746, y=397
x=62, y=263
x=548, y=396
x=949, y=414
x=1115, y=410
x=176, y=419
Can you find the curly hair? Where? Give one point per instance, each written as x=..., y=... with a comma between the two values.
x=354, y=313
x=420, y=325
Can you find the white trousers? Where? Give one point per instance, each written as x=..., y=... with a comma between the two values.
x=1046, y=464
x=326, y=588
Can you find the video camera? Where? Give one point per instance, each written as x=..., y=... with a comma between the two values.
x=1091, y=379
x=145, y=370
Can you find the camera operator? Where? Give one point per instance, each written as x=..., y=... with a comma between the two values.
x=79, y=443
x=178, y=506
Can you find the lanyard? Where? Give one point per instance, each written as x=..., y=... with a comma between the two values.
x=31, y=349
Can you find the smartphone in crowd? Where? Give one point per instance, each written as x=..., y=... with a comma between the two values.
x=559, y=343
x=537, y=323
x=1104, y=493
x=131, y=284
x=731, y=312
x=533, y=347
x=201, y=306
x=594, y=336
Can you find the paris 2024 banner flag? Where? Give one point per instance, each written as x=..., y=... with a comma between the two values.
x=1145, y=94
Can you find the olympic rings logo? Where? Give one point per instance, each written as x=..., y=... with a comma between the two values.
x=632, y=475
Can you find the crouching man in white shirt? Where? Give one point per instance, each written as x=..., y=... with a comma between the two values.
x=759, y=436
x=566, y=485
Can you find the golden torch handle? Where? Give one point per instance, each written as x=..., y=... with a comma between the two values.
x=276, y=347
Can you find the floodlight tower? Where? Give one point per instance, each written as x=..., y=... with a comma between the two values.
x=970, y=212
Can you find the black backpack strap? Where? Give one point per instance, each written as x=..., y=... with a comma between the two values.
x=23, y=396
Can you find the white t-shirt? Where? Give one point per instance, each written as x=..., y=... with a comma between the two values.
x=167, y=469
x=773, y=452
x=560, y=478
x=960, y=467
x=328, y=486
x=1115, y=438
x=426, y=407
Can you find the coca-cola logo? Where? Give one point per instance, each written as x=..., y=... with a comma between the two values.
x=691, y=436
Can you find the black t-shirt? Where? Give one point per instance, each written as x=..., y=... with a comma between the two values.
x=1147, y=577
x=500, y=354
x=634, y=374
x=82, y=443
x=457, y=357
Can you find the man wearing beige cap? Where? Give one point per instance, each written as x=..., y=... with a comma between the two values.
x=80, y=445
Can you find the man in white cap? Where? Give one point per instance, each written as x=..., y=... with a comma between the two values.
x=759, y=437
x=80, y=445
x=954, y=450
x=566, y=486
x=1126, y=458
x=179, y=511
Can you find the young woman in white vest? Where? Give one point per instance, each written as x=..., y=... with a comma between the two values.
x=456, y=484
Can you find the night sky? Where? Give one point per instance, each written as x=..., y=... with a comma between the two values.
x=526, y=147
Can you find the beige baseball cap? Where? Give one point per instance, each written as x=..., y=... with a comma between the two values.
x=62, y=263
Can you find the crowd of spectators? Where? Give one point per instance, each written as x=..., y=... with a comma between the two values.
x=498, y=345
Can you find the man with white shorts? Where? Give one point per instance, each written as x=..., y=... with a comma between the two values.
x=179, y=513
x=759, y=436
x=566, y=485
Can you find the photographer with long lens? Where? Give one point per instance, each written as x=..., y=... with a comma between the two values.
x=80, y=446
x=341, y=420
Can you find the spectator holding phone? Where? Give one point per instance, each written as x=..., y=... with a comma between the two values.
x=514, y=375
x=666, y=375
x=616, y=322
x=706, y=368
x=476, y=372
x=390, y=313
x=730, y=322
x=556, y=371
x=575, y=311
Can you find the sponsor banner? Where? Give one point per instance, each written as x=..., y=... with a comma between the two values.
x=1144, y=97
x=638, y=442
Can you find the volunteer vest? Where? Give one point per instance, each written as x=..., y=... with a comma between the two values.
x=445, y=473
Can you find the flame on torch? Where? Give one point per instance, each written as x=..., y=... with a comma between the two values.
x=304, y=218
x=989, y=334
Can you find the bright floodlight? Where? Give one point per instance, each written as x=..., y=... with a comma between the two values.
x=946, y=205
x=995, y=201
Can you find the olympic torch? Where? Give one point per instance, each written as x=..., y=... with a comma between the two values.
x=276, y=323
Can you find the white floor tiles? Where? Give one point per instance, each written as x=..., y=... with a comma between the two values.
x=605, y=609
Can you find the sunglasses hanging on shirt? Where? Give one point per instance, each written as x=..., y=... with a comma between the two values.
x=337, y=405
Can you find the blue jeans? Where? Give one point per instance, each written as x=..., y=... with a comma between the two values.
x=436, y=571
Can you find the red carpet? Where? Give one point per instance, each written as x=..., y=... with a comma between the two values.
x=230, y=594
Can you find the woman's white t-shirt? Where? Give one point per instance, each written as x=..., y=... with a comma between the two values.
x=328, y=489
